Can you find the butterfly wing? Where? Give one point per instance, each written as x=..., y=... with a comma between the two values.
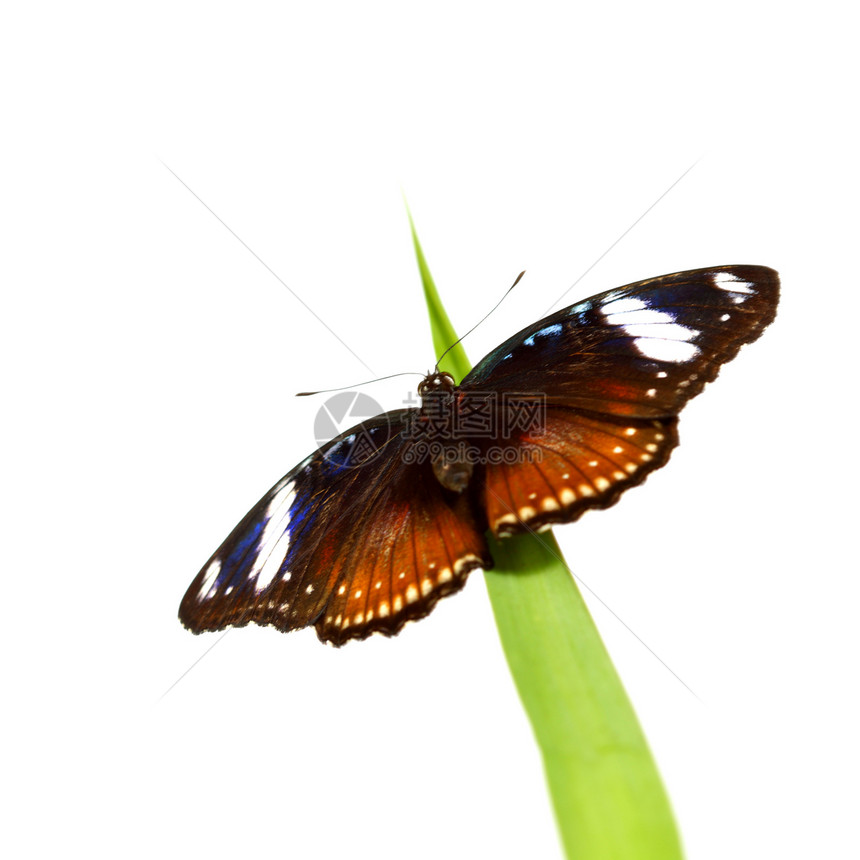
x=355, y=539
x=642, y=350
x=577, y=461
x=611, y=374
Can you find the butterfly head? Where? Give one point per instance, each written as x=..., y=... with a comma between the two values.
x=436, y=382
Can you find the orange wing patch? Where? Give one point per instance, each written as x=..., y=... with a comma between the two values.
x=396, y=573
x=578, y=462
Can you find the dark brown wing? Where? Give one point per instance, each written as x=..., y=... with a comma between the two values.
x=642, y=350
x=354, y=540
x=610, y=375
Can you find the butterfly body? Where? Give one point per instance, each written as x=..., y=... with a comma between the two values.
x=377, y=525
x=440, y=400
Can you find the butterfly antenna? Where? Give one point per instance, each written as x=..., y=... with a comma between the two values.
x=519, y=277
x=348, y=387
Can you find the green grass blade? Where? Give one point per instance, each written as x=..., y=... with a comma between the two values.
x=455, y=362
x=607, y=794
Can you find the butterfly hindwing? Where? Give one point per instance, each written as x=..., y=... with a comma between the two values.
x=575, y=462
x=403, y=560
x=354, y=540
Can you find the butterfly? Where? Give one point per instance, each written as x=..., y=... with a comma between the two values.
x=377, y=525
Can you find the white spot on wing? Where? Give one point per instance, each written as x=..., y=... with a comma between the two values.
x=274, y=543
x=624, y=314
x=655, y=332
x=676, y=351
x=270, y=561
x=505, y=519
x=731, y=283
x=460, y=564
x=666, y=331
x=211, y=575
x=625, y=305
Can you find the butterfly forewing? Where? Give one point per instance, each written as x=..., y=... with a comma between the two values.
x=642, y=350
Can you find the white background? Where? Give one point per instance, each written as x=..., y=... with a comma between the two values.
x=150, y=361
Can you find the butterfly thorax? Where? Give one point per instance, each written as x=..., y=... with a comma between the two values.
x=436, y=425
x=438, y=382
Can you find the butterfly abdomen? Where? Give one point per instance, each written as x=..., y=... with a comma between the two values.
x=452, y=469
